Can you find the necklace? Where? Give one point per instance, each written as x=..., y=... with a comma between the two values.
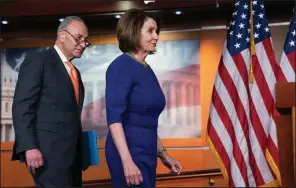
x=141, y=62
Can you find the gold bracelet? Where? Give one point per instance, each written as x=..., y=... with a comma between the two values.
x=161, y=152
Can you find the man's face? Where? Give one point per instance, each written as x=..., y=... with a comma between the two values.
x=74, y=39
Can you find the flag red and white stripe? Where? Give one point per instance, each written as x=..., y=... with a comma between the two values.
x=288, y=58
x=287, y=64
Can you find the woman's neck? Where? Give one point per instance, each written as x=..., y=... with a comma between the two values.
x=140, y=56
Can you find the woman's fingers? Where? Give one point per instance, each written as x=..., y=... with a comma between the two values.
x=141, y=177
x=133, y=175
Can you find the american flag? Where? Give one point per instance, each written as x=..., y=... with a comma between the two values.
x=288, y=58
x=241, y=128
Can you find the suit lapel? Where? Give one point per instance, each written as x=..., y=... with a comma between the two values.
x=81, y=90
x=64, y=75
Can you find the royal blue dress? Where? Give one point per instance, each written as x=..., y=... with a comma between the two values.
x=135, y=99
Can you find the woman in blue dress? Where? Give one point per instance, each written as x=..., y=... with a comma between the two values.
x=134, y=102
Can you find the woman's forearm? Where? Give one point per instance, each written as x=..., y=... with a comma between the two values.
x=159, y=145
x=160, y=149
x=120, y=141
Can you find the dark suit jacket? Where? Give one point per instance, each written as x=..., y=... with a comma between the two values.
x=45, y=112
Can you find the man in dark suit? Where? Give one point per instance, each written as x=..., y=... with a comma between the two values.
x=47, y=108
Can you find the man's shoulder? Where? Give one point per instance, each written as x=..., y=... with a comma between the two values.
x=39, y=56
x=44, y=54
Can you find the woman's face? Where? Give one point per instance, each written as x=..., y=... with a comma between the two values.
x=149, y=37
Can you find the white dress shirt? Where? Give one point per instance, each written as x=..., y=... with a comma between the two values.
x=63, y=57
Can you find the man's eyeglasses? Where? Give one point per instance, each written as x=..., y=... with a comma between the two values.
x=79, y=41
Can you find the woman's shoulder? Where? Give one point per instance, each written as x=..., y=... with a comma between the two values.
x=120, y=62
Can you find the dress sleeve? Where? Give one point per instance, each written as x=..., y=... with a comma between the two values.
x=118, y=86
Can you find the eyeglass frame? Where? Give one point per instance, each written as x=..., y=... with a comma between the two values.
x=87, y=44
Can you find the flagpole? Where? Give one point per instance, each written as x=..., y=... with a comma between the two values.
x=252, y=44
x=294, y=130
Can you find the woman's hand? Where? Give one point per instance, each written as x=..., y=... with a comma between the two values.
x=132, y=173
x=172, y=164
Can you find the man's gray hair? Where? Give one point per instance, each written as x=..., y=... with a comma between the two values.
x=67, y=21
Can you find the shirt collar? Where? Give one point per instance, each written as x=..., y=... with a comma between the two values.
x=62, y=56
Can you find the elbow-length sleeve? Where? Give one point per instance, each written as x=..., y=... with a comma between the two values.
x=118, y=86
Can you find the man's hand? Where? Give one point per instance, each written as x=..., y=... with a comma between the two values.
x=34, y=159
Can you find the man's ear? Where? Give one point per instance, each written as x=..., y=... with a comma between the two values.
x=61, y=36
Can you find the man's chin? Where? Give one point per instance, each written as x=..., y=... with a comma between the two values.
x=77, y=55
